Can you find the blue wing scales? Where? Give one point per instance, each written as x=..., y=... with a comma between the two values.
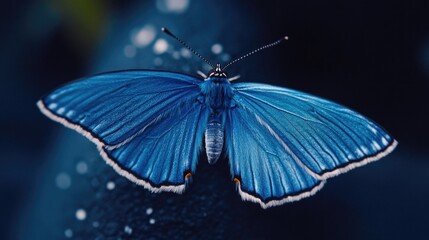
x=111, y=105
x=327, y=137
x=123, y=111
x=261, y=163
x=321, y=137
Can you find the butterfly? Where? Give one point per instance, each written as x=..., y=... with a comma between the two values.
x=150, y=126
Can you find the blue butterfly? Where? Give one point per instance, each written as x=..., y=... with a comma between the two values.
x=282, y=144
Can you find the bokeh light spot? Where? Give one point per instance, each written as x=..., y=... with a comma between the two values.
x=176, y=55
x=160, y=46
x=110, y=185
x=158, y=61
x=143, y=36
x=68, y=233
x=81, y=167
x=63, y=181
x=128, y=230
x=130, y=51
x=80, y=214
x=172, y=6
x=149, y=211
x=95, y=224
x=217, y=48
x=185, y=53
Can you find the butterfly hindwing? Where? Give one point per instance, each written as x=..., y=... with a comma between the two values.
x=325, y=137
x=166, y=151
x=146, y=124
x=261, y=163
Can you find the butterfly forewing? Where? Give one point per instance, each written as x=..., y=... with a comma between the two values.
x=145, y=123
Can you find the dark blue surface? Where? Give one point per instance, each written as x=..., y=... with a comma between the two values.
x=371, y=57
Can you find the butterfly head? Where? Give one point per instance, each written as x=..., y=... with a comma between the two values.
x=217, y=72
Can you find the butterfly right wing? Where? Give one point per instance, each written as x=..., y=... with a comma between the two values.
x=283, y=144
x=261, y=165
x=122, y=113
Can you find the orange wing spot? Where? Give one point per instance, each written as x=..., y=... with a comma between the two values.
x=188, y=175
x=237, y=181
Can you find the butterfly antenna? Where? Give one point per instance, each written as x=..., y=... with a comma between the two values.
x=186, y=46
x=255, y=51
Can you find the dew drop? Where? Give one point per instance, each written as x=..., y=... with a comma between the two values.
x=152, y=221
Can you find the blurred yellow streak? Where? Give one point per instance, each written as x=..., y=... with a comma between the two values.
x=86, y=21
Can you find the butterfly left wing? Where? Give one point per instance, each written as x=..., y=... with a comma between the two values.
x=146, y=124
x=318, y=136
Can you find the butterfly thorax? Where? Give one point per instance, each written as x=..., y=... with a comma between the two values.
x=217, y=94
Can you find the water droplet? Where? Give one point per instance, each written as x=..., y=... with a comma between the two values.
x=217, y=48
x=68, y=233
x=160, y=46
x=130, y=51
x=81, y=167
x=63, y=181
x=128, y=230
x=143, y=36
x=80, y=214
x=110, y=185
x=95, y=224
x=149, y=211
x=152, y=221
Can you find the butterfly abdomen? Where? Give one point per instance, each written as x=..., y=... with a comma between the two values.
x=214, y=140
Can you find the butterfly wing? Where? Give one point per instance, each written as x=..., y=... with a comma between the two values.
x=320, y=138
x=146, y=124
x=261, y=164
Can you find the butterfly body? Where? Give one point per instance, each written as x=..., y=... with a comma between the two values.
x=217, y=96
x=282, y=145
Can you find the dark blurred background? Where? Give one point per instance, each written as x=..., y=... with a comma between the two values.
x=372, y=56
